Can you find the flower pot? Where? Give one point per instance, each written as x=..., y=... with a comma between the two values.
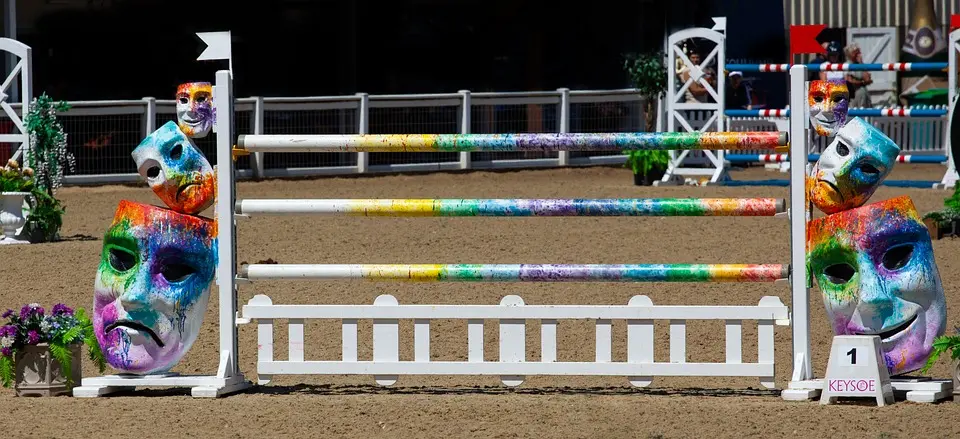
x=11, y=216
x=647, y=179
x=39, y=374
x=956, y=380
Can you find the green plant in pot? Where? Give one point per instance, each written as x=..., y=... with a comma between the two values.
x=946, y=220
x=49, y=157
x=648, y=74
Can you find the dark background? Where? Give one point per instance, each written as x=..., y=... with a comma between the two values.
x=133, y=49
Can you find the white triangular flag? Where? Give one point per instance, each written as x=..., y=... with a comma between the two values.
x=218, y=46
x=719, y=24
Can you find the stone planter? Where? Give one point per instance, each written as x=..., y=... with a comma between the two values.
x=956, y=380
x=39, y=374
x=11, y=216
x=938, y=232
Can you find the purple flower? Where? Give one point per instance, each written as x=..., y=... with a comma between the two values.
x=61, y=309
x=6, y=351
x=8, y=313
x=30, y=310
x=8, y=331
x=33, y=337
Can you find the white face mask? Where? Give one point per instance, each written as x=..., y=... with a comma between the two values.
x=176, y=170
x=195, y=113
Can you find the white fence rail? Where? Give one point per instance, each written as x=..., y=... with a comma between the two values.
x=511, y=317
x=101, y=134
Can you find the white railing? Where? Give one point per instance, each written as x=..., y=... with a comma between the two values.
x=511, y=317
x=101, y=134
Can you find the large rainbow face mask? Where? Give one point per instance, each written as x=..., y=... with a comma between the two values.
x=876, y=269
x=851, y=168
x=152, y=286
x=195, y=108
x=176, y=170
x=829, y=102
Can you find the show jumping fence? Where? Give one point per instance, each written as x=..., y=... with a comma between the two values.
x=512, y=313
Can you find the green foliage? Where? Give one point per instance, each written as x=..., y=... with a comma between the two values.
x=642, y=162
x=14, y=179
x=647, y=73
x=6, y=371
x=48, y=143
x=49, y=157
x=46, y=217
x=943, y=344
x=90, y=339
x=950, y=211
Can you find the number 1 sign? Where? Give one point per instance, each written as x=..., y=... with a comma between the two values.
x=854, y=370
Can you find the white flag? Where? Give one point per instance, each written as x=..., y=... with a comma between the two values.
x=218, y=46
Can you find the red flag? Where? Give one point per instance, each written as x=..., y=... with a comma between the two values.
x=803, y=39
x=954, y=22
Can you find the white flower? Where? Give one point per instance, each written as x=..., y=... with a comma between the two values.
x=34, y=305
x=45, y=326
x=6, y=342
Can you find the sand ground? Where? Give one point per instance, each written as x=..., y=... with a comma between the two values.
x=315, y=406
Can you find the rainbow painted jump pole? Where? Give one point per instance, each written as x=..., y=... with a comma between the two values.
x=845, y=67
x=512, y=142
x=783, y=158
x=520, y=272
x=854, y=112
x=516, y=207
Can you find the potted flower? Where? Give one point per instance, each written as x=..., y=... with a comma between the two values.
x=40, y=353
x=943, y=344
x=945, y=222
x=15, y=185
x=648, y=74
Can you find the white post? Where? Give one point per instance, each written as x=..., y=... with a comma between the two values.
x=363, y=122
x=256, y=159
x=950, y=177
x=798, y=226
x=149, y=116
x=10, y=31
x=563, y=157
x=465, y=107
x=226, y=247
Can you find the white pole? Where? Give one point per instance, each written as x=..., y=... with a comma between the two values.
x=226, y=248
x=798, y=226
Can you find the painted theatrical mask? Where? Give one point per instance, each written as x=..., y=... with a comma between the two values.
x=829, y=102
x=152, y=286
x=195, y=108
x=176, y=170
x=851, y=168
x=876, y=269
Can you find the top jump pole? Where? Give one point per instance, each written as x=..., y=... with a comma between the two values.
x=768, y=140
x=845, y=67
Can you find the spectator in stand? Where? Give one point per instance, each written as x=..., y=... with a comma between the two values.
x=737, y=94
x=697, y=92
x=834, y=56
x=857, y=82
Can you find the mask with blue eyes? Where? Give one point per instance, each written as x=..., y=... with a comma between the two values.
x=876, y=270
x=851, y=168
x=176, y=170
x=152, y=286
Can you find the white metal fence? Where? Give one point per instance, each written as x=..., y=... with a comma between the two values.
x=101, y=134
